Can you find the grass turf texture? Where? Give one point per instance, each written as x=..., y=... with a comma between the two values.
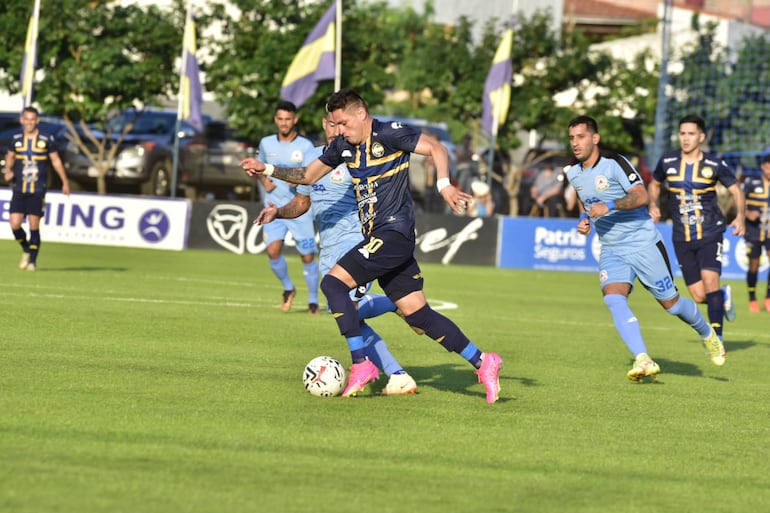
x=137, y=380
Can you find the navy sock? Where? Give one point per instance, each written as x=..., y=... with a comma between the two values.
x=751, y=285
x=439, y=328
x=715, y=302
x=34, y=245
x=344, y=312
x=21, y=237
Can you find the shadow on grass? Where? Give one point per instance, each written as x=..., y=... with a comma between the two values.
x=460, y=379
x=732, y=346
x=80, y=269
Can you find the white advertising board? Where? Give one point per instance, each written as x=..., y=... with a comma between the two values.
x=158, y=223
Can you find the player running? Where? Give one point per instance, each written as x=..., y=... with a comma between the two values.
x=335, y=211
x=377, y=156
x=613, y=194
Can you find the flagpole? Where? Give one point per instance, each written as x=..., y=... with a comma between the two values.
x=338, y=49
x=28, y=71
x=179, y=105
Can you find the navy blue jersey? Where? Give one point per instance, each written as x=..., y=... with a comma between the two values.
x=31, y=166
x=692, y=194
x=380, y=171
x=757, y=192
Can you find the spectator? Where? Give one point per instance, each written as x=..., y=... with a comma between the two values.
x=546, y=193
x=467, y=163
x=483, y=205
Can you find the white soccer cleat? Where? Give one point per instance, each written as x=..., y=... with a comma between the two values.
x=400, y=384
x=730, y=312
x=24, y=262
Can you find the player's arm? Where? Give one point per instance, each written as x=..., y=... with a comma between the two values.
x=653, y=192
x=739, y=223
x=634, y=198
x=297, y=175
x=10, y=158
x=59, y=168
x=584, y=221
x=432, y=147
x=298, y=205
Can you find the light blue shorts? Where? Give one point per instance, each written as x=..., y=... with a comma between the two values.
x=650, y=265
x=301, y=229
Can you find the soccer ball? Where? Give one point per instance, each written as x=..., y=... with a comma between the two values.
x=324, y=376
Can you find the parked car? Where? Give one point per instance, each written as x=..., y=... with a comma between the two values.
x=207, y=160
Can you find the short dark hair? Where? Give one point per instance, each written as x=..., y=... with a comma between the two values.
x=343, y=99
x=30, y=109
x=287, y=106
x=693, y=118
x=587, y=121
x=765, y=159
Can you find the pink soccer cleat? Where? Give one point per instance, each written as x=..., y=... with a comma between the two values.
x=361, y=374
x=489, y=375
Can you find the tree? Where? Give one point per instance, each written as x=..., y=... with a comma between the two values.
x=94, y=57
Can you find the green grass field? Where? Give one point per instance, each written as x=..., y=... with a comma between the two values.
x=151, y=381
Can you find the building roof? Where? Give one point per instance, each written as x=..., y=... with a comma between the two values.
x=598, y=12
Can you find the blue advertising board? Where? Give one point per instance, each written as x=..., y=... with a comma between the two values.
x=556, y=245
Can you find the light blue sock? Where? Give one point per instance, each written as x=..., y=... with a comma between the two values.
x=377, y=351
x=687, y=310
x=357, y=348
x=311, y=278
x=472, y=354
x=374, y=305
x=626, y=323
x=281, y=271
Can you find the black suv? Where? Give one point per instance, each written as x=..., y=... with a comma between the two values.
x=208, y=160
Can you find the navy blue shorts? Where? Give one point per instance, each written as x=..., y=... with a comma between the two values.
x=388, y=257
x=699, y=255
x=754, y=247
x=30, y=204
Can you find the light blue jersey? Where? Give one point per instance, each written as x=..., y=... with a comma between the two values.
x=335, y=211
x=283, y=154
x=296, y=153
x=620, y=231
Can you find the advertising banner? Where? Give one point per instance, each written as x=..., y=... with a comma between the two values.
x=105, y=220
x=555, y=244
x=440, y=238
x=450, y=239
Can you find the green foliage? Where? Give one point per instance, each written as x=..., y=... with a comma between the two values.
x=726, y=87
x=98, y=56
x=95, y=56
x=161, y=381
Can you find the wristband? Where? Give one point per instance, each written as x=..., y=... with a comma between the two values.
x=583, y=216
x=610, y=205
x=442, y=183
x=269, y=169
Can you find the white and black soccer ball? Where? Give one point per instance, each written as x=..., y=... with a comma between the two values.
x=324, y=376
